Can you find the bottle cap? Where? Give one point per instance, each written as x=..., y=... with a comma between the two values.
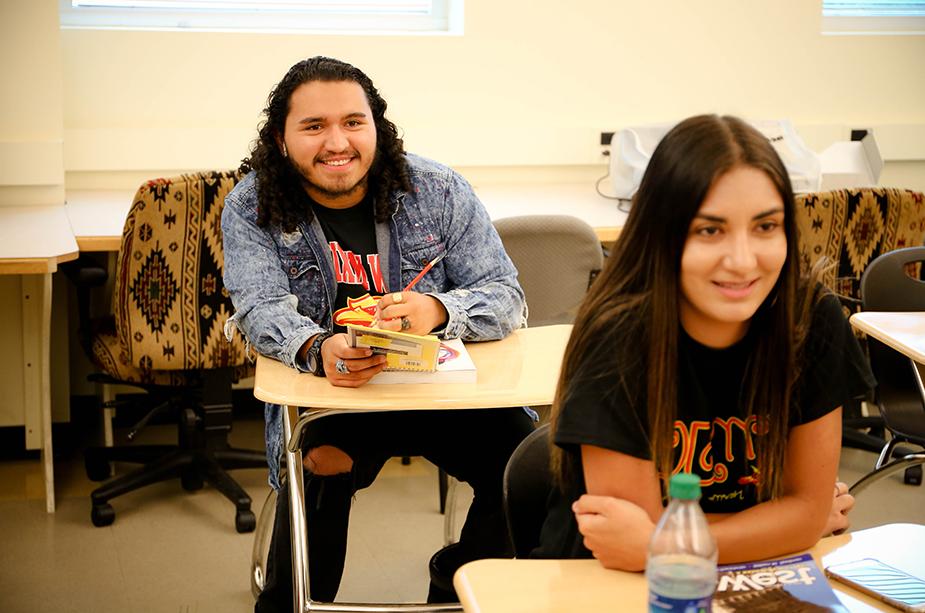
x=684, y=486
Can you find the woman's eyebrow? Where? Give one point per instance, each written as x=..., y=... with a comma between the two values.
x=718, y=219
x=769, y=212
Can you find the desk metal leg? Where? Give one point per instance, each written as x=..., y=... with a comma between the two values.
x=36, y=324
x=296, y=485
x=907, y=461
x=884, y=466
x=917, y=370
x=293, y=428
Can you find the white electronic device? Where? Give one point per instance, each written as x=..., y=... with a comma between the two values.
x=631, y=149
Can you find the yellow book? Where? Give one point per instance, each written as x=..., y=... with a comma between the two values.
x=454, y=365
x=403, y=351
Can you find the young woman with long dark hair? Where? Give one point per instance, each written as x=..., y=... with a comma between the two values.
x=701, y=348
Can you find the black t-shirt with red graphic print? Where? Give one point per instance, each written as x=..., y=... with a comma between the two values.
x=714, y=438
x=351, y=236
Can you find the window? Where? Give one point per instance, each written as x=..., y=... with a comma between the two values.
x=310, y=16
x=873, y=17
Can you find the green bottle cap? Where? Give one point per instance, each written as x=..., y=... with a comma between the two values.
x=685, y=486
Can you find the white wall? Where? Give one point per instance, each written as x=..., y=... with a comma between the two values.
x=523, y=95
x=31, y=104
x=532, y=82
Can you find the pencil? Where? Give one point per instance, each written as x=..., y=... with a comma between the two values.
x=421, y=274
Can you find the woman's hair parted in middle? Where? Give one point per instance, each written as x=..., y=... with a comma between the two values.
x=634, y=302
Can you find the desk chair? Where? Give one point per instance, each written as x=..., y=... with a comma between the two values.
x=526, y=488
x=557, y=257
x=850, y=228
x=166, y=337
x=888, y=286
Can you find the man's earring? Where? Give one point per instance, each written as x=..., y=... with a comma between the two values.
x=285, y=151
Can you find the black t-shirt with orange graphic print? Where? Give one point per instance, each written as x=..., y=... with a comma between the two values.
x=713, y=437
x=351, y=237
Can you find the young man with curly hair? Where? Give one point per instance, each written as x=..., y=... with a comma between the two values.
x=330, y=222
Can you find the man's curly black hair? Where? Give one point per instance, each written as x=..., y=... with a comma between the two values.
x=280, y=191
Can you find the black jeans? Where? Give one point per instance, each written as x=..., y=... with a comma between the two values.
x=471, y=445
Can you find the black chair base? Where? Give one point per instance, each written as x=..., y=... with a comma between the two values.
x=193, y=467
x=203, y=455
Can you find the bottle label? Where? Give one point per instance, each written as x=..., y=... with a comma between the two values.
x=664, y=604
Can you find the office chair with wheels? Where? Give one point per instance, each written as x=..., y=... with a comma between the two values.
x=166, y=337
x=888, y=286
x=526, y=488
x=850, y=228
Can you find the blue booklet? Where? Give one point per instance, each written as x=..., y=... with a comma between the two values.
x=792, y=584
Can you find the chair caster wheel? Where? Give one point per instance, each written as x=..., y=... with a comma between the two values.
x=190, y=480
x=97, y=468
x=245, y=521
x=102, y=515
x=913, y=475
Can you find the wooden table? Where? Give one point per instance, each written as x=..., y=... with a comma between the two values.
x=904, y=332
x=580, y=200
x=522, y=369
x=33, y=241
x=548, y=586
x=98, y=215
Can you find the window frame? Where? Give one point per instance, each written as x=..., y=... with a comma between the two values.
x=860, y=17
x=445, y=19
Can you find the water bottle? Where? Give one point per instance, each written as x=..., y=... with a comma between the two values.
x=681, y=567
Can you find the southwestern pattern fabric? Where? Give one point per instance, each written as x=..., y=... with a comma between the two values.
x=169, y=302
x=851, y=227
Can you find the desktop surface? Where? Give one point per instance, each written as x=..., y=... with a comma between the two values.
x=522, y=369
x=537, y=586
x=579, y=200
x=97, y=215
x=904, y=332
x=35, y=239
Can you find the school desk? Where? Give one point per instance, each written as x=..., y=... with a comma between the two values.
x=520, y=370
x=565, y=586
x=33, y=241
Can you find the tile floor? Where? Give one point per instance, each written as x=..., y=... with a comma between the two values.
x=177, y=552
x=174, y=551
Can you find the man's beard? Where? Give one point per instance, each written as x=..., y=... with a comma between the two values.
x=332, y=193
x=337, y=193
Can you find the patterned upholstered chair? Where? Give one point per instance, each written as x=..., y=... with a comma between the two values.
x=851, y=227
x=166, y=336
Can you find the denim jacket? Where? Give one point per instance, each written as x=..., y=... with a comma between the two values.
x=282, y=283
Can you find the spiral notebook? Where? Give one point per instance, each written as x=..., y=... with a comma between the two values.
x=454, y=365
x=404, y=352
